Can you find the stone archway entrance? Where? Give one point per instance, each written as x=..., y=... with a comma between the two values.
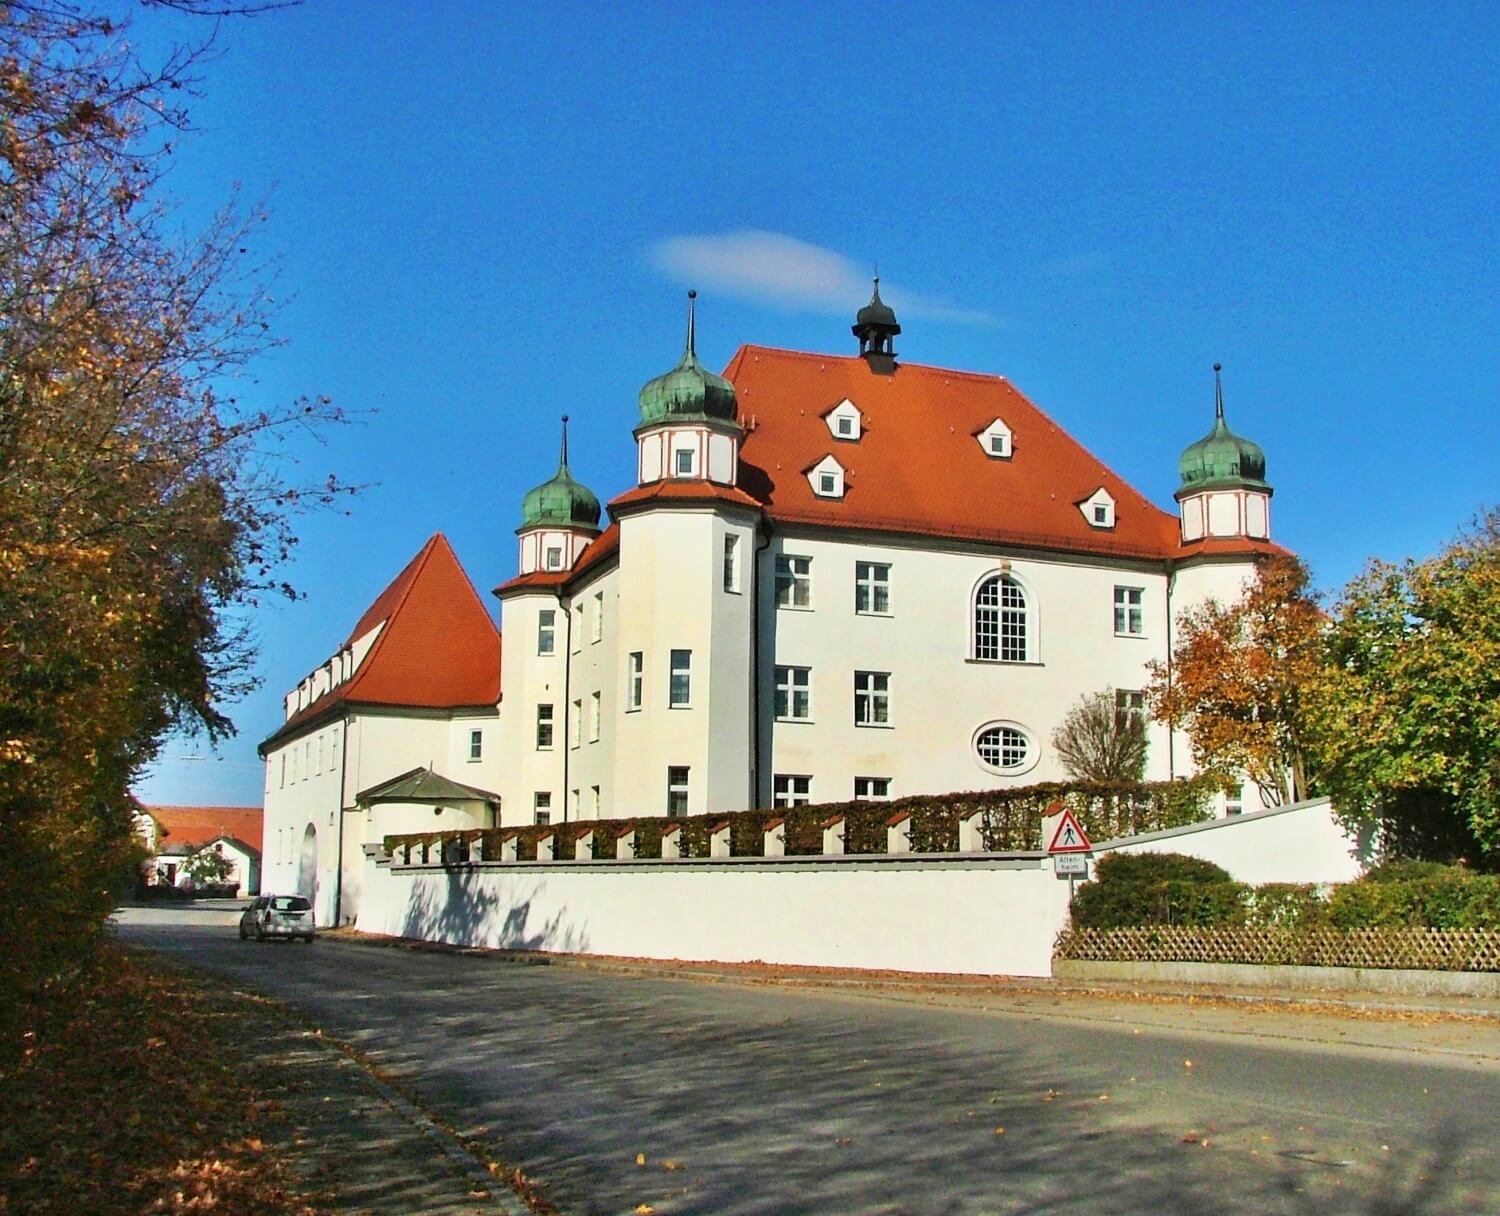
x=307, y=865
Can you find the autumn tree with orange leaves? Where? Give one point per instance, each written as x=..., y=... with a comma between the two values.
x=1239, y=677
x=144, y=502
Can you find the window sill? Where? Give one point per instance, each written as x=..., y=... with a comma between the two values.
x=794, y=607
x=795, y=721
x=882, y=615
x=679, y=706
x=1135, y=637
x=632, y=709
x=875, y=726
x=1006, y=662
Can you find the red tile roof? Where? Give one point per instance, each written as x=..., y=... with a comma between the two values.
x=602, y=547
x=194, y=825
x=918, y=467
x=681, y=491
x=439, y=648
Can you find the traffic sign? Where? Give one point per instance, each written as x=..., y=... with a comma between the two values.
x=1069, y=836
x=1070, y=864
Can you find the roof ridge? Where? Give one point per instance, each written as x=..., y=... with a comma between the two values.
x=901, y=364
x=417, y=565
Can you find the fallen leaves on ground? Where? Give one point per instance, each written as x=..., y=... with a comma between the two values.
x=127, y=1098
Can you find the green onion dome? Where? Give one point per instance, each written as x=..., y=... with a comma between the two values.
x=689, y=391
x=561, y=501
x=1222, y=459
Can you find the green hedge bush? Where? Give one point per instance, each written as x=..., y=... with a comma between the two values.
x=1133, y=889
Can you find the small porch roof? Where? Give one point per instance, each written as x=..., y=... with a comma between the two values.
x=426, y=787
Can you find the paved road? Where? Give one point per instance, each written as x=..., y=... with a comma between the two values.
x=777, y=1101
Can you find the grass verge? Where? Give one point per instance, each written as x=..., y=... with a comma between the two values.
x=128, y=1093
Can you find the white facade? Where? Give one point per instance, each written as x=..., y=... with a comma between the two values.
x=714, y=650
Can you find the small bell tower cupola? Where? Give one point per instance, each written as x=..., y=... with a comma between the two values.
x=876, y=328
x=558, y=519
x=689, y=428
x=1224, y=492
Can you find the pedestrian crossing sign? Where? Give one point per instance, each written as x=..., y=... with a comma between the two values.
x=1069, y=836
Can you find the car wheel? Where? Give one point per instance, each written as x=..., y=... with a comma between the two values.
x=309, y=939
x=260, y=934
x=243, y=934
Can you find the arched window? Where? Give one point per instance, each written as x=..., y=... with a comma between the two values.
x=1003, y=748
x=1002, y=626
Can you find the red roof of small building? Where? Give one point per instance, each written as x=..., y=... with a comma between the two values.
x=602, y=547
x=918, y=466
x=438, y=649
x=195, y=825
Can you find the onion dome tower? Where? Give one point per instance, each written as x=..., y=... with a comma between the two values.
x=876, y=327
x=1224, y=491
x=689, y=427
x=558, y=519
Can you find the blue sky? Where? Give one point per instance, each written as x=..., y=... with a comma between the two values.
x=487, y=215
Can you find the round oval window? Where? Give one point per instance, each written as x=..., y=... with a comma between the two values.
x=1003, y=748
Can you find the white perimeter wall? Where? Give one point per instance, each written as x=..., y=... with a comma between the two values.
x=983, y=914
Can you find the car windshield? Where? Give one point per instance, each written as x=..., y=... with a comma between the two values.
x=290, y=903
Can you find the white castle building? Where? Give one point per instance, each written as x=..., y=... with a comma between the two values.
x=837, y=577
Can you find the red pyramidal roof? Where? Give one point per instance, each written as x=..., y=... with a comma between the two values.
x=437, y=647
x=918, y=465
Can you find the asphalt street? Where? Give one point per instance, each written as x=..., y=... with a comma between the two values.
x=755, y=1099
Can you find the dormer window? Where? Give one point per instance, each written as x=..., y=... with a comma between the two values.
x=1099, y=509
x=827, y=478
x=995, y=439
x=844, y=421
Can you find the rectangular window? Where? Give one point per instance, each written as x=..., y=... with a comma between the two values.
x=846, y=425
x=731, y=563
x=794, y=693
x=872, y=588
x=544, y=728
x=319, y=769
x=598, y=803
x=635, y=693
x=1234, y=800
x=283, y=770
x=578, y=629
x=575, y=724
x=476, y=744
x=307, y=760
x=872, y=698
x=827, y=483
x=793, y=581
x=1130, y=706
x=680, y=684
x=1129, y=613
x=792, y=790
x=598, y=634
x=575, y=803
x=554, y=557
x=684, y=462
x=546, y=631
x=541, y=806
x=594, y=716
x=677, y=790
x=872, y=789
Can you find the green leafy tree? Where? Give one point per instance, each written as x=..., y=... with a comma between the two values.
x=208, y=866
x=1238, y=679
x=1406, y=716
x=1100, y=741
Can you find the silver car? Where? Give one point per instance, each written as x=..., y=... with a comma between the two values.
x=278, y=916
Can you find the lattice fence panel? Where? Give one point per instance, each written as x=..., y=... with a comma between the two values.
x=1386, y=949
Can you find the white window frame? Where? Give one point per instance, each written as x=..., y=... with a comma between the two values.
x=864, y=790
x=794, y=581
x=872, y=699
x=541, y=807
x=818, y=478
x=1130, y=703
x=791, y=789
x=678, y=462
x=682, y=669
x=635, y=681
x=575, y=724
x=577, y=629
x=793, y=683
x=598, y=801
x=871, y=579
x=553, y=559
x=731, y=563
x=1130, y=613
x=1002, y=625
x=1006, y=733
x=598, y=633
x=679, y=790
x=596, y=714
x=1099, y=509
x=845, y=412
x=997, y=430
x=546, y=722
x=546, y=631
x=476, y=744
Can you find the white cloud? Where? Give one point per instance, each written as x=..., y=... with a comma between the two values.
x=773, y=268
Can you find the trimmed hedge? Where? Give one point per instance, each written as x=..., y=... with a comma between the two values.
x=1011, y=822
x=1132, y=892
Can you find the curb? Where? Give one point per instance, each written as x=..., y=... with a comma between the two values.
x=896, y=981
